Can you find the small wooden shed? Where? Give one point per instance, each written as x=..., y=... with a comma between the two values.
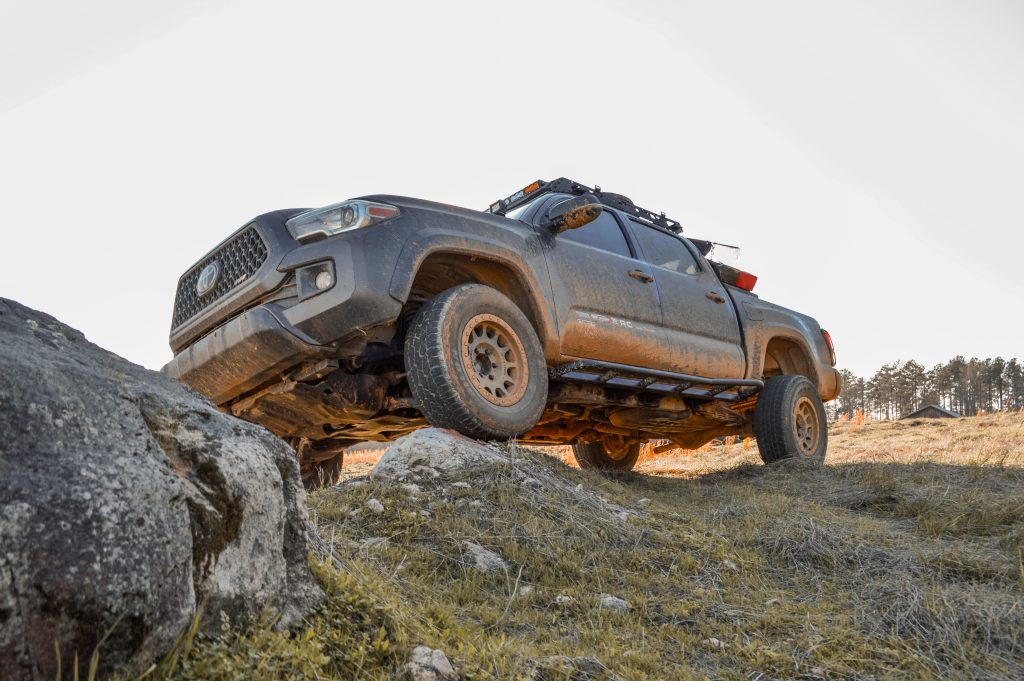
x=932, y=411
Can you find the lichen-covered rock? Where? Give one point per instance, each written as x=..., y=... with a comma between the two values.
x=126, y=500
x=483, y=559
x=428, y=664
x=610, y=602
x=431, y=452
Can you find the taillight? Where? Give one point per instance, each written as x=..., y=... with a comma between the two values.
x=831, y=348
x=734, y=277
x=745, y=281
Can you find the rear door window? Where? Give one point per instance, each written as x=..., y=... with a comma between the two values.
x=664, y=250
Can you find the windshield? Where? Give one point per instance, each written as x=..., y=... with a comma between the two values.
x=517, y=212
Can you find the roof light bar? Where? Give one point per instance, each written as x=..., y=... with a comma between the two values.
x=566, y=186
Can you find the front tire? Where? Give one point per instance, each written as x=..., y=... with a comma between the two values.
x=610, y=453
x=475, y=364
x=789, y=421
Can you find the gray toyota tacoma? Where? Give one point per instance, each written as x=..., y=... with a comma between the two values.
x=560, y=315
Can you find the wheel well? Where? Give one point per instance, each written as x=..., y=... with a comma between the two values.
x=441, y=271
x=784, y=357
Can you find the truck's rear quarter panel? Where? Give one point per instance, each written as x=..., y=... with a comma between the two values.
x=764, y=322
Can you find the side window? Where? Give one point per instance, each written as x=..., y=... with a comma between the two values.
x=603, y=233
x=665, y=250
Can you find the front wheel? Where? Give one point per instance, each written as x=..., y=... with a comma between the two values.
x=475, y=364
x=610, y=453
x=789, y=421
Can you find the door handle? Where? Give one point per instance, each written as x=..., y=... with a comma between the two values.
x=714, y=295
x=640, y=275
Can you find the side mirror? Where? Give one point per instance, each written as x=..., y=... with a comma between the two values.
x=572, y=213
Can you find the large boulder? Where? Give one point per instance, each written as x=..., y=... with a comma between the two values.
x=126, y=501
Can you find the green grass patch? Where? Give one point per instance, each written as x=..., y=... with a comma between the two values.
x=894, y=570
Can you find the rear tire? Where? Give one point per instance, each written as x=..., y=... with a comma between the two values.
x=789, y=421
x=611, y=453
x=325, y=473
x=475, y=364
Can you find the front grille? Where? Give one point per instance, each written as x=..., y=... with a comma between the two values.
x=239, y=259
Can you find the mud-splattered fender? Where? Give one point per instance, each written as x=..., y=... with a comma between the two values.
x=763, y=322
x=515, y=248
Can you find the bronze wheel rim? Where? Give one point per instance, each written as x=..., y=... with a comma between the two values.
x=807, y=427
x=616, y=447
x=495, y=360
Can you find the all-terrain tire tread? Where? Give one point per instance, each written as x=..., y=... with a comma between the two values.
x=324, y=473
x=430, y=376
x=773, y=417
x=592, y=456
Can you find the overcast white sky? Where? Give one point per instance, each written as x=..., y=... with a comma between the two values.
x=867, y=156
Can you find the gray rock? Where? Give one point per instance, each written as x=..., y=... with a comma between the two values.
x=428, y=664
x=125, y=500
x=375, y=506
x=484, y=559
x=610, y=602
x=430, y=453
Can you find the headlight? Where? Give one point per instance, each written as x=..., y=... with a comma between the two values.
x=339, y=217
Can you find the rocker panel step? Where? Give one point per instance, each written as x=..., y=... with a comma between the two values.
x=626, y=377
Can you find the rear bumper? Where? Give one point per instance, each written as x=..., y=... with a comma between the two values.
x=242, y=354
x=832, y=384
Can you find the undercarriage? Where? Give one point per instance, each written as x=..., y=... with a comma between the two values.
x=323, y=408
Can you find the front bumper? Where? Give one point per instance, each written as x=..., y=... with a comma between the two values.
x=242, y=354
x=255, y=346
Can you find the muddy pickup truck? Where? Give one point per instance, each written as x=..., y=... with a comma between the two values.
x=560, y=315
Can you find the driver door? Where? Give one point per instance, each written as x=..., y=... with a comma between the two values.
x=605, y=299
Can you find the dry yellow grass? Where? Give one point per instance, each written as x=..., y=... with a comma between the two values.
x=993, y=439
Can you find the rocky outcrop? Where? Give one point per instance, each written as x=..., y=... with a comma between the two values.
x=126, y=500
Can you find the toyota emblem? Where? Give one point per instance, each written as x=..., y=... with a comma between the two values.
x=208, y=278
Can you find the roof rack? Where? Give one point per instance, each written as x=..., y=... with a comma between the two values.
x=566, y=186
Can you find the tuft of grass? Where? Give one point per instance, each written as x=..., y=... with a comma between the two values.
x=901, y=559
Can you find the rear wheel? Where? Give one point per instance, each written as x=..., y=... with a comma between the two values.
x=320, y=463
x=789, y=421
x=610, y=453
x=322, y=473
x=475, y=364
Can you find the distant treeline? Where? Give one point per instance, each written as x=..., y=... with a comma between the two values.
x=961, y=385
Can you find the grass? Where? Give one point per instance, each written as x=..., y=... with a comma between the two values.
x=902, y=558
